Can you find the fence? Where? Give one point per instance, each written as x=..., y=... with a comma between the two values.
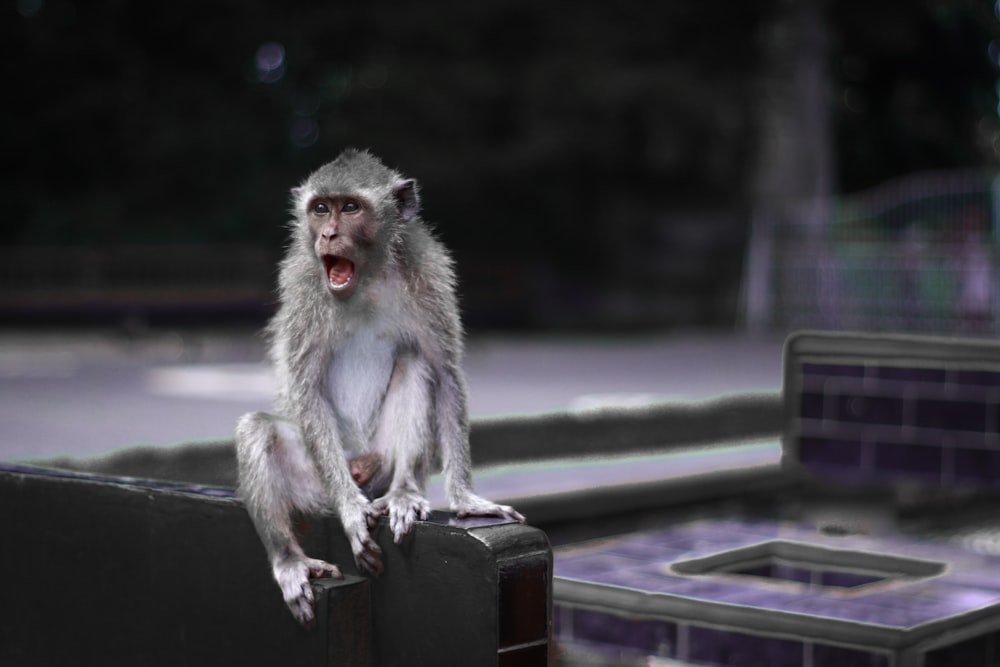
x=918, y=254
x=74, y=281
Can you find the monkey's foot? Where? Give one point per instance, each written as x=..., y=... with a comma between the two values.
x=404, y=508
x=293, y=575
x=473, y=505
x=356, y=519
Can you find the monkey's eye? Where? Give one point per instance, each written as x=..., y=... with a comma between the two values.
x=350, y=206
x=320, y=208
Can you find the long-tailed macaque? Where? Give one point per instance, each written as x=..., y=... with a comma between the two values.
x=366, y=346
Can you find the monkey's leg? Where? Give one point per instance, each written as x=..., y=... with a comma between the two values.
x=325, y=451
x=451, y=413
x=277, y=478
x=403, y=435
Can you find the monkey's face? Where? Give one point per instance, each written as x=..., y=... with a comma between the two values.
x=341, y=226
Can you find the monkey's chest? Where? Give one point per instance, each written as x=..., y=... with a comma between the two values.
x=358, y=378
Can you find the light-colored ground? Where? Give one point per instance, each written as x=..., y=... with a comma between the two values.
x=85, y=393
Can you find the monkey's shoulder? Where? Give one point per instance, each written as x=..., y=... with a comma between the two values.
x=427, y=260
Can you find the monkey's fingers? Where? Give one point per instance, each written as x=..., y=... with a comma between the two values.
x=320, y=568
x=369, y=559
x=367, y=555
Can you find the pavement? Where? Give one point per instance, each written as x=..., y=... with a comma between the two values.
x=80, y=393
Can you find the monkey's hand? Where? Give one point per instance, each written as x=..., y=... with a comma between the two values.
x=354, y=515
x=404, y=508
x=293, y=575
x=469, y=504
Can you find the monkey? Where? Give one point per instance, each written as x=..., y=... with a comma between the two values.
x=366, y=346
x=364, y=468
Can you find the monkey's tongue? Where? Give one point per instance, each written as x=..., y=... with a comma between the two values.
x=339, y=271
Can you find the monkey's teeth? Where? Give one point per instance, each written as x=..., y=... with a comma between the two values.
x=340, y=286
x=339, y=272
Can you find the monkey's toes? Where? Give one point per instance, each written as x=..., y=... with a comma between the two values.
x=405, y=509
x=302, y=611
x=368, y=561
x=298, y=595
x=482, y=507
x=368, y=557
x=401, y=524
x=508, y=512
x=320, y=568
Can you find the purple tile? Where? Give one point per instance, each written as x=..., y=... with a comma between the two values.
x=840, y=475
x=591, y=565
x=830, y=451
x=838, y=656
x=697, y=542
x=765, y=597
x=715, y=589
x=935, y=600
x=908, y=606
x=780, y=572
x=978, y=378
x=755, y=528
x=652, y=636
x=851, y=609
x=701, y=536
x=910, y=374
x=643, y=549
x=951, y=415
x=867, y=409
x=649, y=579
x=981, y=466
x=811, y=405
x=721, y=647
x=921, y=460
x=899, y=610
x=834, y=370
x=980, y=575
x=846, y=579
x=736, y=590
x=636, y=562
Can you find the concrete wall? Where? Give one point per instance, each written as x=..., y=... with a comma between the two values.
x=521, y=438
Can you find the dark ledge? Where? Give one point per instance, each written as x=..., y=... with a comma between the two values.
x=119, y=571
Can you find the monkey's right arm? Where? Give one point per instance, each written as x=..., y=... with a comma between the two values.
x=311, y=410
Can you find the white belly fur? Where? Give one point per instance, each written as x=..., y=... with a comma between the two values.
x=358, y=377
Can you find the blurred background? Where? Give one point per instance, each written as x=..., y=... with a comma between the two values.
x=642, y=198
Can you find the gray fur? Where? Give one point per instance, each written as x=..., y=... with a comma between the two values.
x=378, y=369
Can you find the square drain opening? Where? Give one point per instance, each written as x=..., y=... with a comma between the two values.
x=810, y=565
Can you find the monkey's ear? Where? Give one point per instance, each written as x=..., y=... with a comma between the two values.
x=299, y=195
x=407, y=199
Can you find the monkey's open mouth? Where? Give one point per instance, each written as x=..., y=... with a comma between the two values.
x=339, y=272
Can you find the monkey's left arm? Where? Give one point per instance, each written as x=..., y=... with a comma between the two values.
x=456, y=460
